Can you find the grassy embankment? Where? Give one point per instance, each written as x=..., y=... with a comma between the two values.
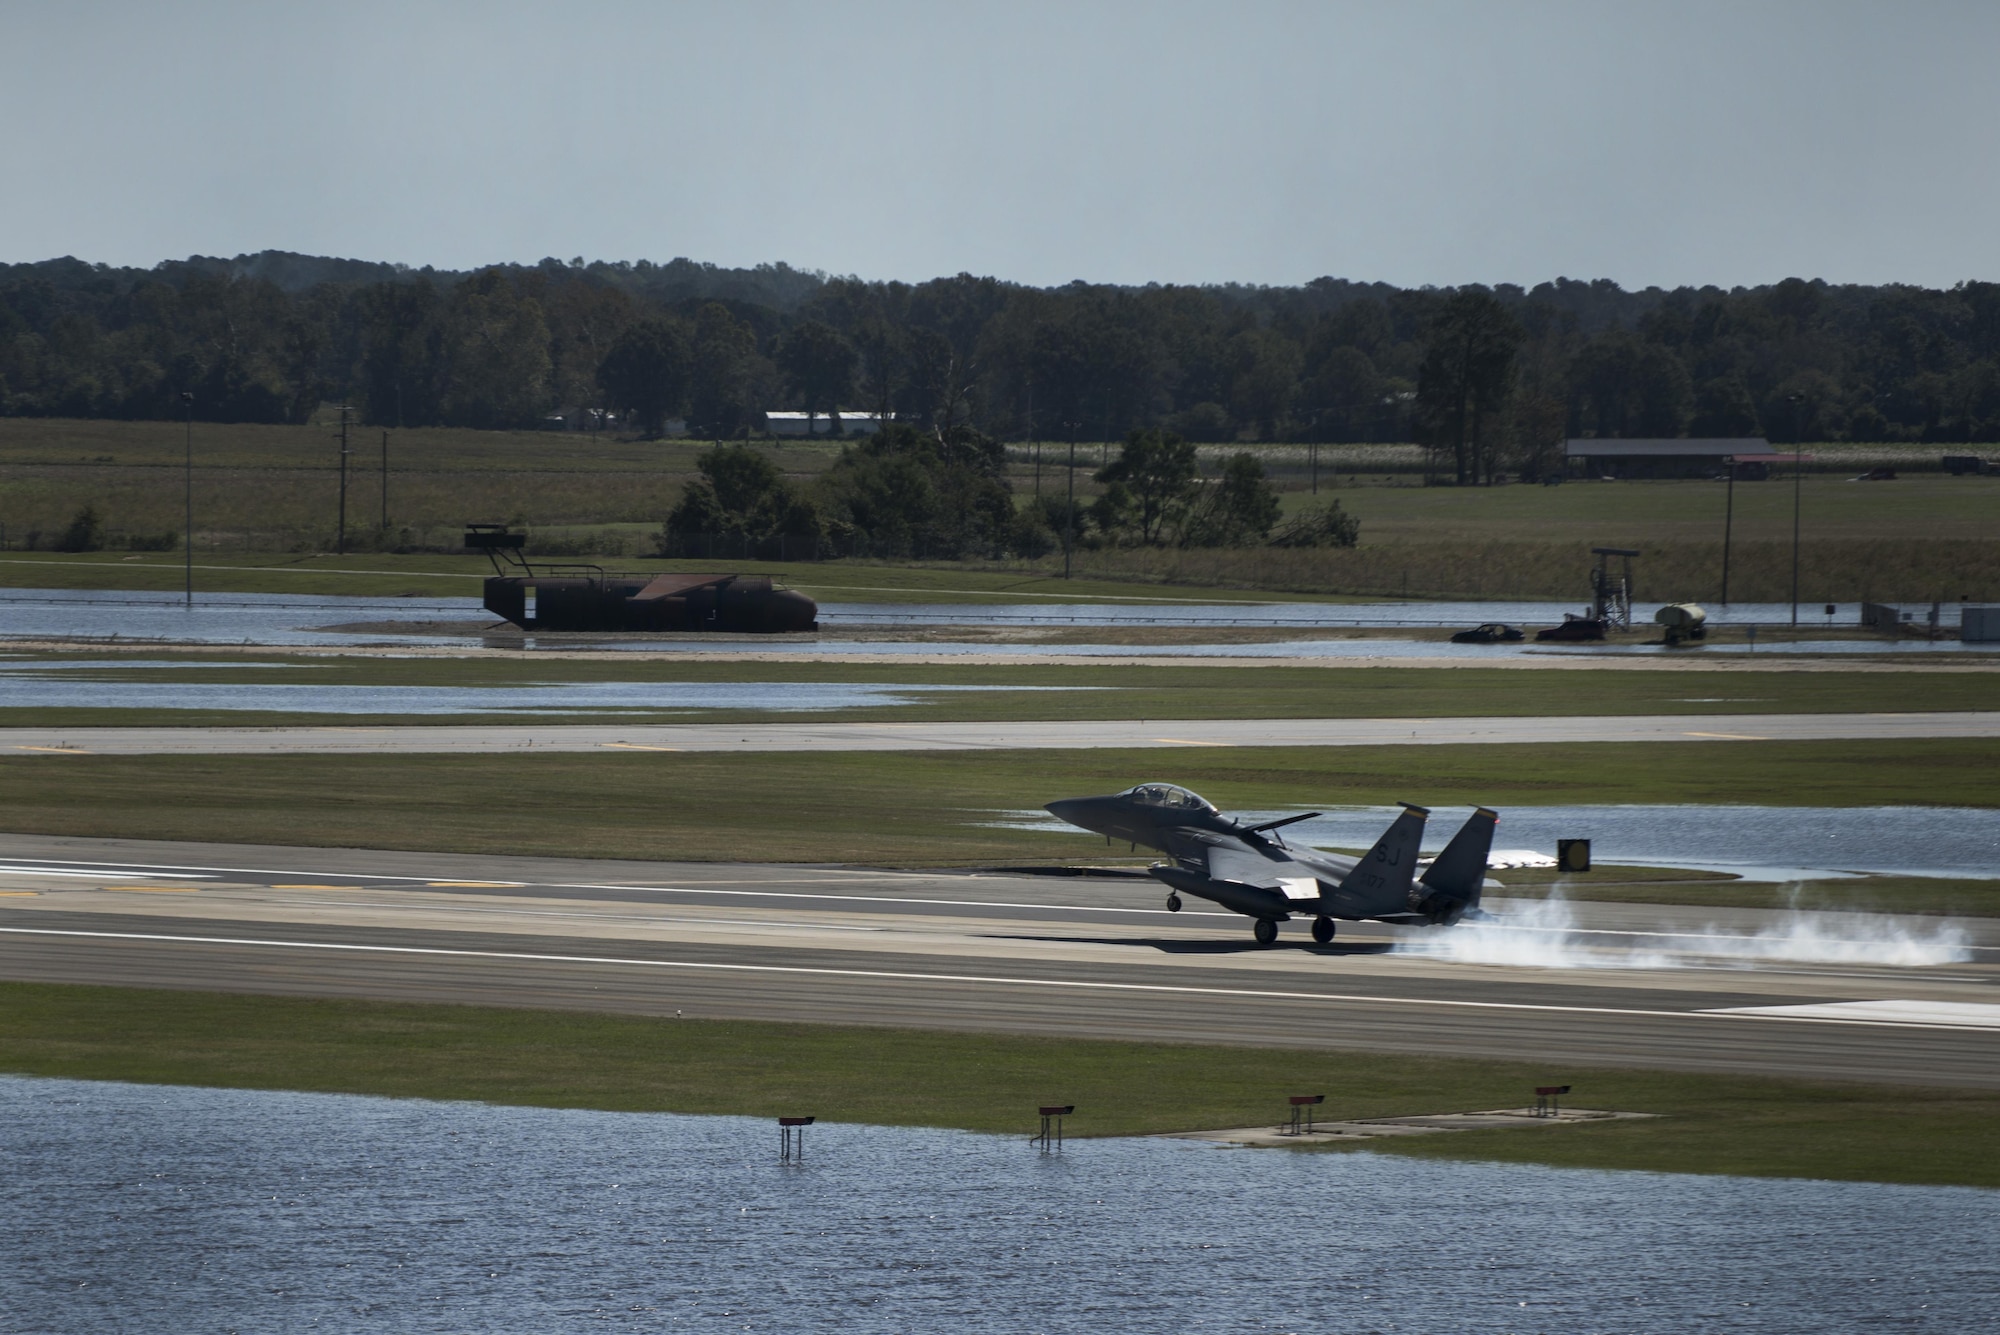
x=1024, y=691
x=268, y=488
x=1710, y=1123
x=934, y=808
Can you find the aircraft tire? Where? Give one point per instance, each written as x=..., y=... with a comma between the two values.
x=1173, y=903
x=1265, y=931
x=1323, y=930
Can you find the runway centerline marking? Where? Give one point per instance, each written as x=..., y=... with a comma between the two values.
x=1075, y=984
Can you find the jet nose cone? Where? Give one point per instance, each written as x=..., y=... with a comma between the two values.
x=1068, y=808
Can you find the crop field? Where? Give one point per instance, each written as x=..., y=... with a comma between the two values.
x=276, y=489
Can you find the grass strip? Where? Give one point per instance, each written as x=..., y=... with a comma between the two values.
x=935, y=808
x=981, y=1082
x=1024, y=690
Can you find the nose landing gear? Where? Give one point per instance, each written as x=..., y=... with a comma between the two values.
x=1173, y=903
x=1322, y=930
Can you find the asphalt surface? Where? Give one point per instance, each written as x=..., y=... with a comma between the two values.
x=1071, y=735
x=996, y=952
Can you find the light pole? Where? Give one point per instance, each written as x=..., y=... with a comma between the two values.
x=1069, y=507
x=187, y=518
x=385, y=482
x=1798, y=471
x=1728, y=522
x=340, y=536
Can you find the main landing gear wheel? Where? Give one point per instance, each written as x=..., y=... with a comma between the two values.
x=1265, y=931
x=1173, y=903
x=1322, y=930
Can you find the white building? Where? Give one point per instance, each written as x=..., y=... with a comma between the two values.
x=788, y=423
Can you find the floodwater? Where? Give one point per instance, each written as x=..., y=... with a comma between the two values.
x=138, y=1208
x=291, y=619
x=1765, y=843
x=157, y=684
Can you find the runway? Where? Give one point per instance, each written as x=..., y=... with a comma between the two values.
x=948, y=950
x=476, y=739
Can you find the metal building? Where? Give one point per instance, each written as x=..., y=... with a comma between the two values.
x=1666, y=458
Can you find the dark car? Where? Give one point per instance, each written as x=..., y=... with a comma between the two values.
x=1493, y=632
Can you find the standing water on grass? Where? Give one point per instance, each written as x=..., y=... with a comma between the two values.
x=142, y=1208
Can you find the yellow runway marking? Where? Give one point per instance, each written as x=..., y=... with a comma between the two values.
x=1182, y=741
x=157, y=889
x=477, y=885
x=634, y=746
x=25, y=893
x=315, y=887
x=1729, y=736
x=55, y=750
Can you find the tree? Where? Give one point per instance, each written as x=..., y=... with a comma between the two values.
x=1149, y=485
x=1627, y=386
x=740, y=494
x=497, y=350
x=820, y=365
x=1465, y=376
x=1236, y=510
x=647, y=373
x=725, y=369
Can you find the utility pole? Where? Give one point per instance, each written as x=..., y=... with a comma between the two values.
x=1069, y=509
x=1798, y=471
x=1728, y=522
x=385, y=482
x=187, y=520
x=340, y=536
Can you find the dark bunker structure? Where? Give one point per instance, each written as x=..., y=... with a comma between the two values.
x=575, y=597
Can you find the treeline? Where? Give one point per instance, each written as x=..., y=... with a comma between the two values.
x=1493, y=378
x=905, y=492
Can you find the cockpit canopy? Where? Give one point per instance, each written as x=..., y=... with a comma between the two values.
x=1168, y=795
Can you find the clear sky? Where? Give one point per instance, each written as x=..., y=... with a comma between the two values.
x=1691, y=142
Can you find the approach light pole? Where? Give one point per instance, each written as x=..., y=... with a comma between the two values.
x=1798, y=470
x=187, y=477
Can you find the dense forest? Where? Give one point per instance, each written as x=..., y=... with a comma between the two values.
x=1494, y=378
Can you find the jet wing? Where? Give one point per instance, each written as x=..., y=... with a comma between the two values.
x=1267, y=869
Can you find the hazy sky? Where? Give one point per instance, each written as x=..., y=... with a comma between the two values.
x=1125, y=142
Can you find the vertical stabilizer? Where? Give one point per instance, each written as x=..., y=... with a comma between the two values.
x=1452, y=882
x=1381, y=881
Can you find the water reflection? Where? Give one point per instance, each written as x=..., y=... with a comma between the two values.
x=138, y=685
x=145, y=1208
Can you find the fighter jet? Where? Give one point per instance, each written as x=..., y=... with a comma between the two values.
x=1250, y=869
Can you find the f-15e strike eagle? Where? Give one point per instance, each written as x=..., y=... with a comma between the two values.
x=1250, y=869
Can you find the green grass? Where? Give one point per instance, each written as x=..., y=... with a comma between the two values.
x=907, y=808
x=275, y=489
x=1093, y=692
x=980, y=1082
x=1935, y=896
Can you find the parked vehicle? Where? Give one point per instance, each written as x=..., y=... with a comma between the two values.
x=1576, y=627
x=1493, y=632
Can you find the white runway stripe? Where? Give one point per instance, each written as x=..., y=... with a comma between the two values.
x=1929, y=1014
